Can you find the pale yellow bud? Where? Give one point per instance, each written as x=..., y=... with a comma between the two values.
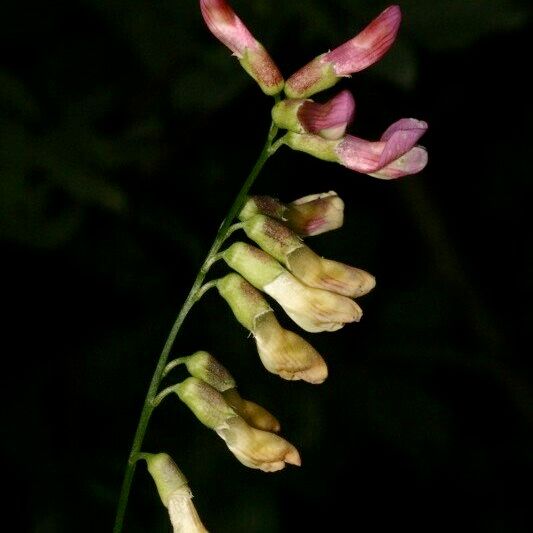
x=322, y=273
x=256, y=448
x=287, y=354
x=255, y=415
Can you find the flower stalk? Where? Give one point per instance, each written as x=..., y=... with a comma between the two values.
x=149, y=406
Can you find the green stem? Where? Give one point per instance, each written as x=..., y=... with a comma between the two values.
x=191, y=299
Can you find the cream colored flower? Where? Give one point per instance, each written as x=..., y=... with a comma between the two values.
x=256, y=448
x=281, y=351
x=322, y=273
x=287, y=354
x=312, y=309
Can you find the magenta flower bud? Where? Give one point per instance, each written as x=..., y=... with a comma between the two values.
x=328, y=120
x=394, y=156
x=358, y=53
x=229, y=29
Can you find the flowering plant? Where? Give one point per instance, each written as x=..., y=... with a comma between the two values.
x=316, y=293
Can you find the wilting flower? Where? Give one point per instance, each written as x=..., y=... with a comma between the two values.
x=311, y=308
x=328, y=120
x=256, y=448
x=205, y=367
x=393, y=156
x=315, y=271
x=311, y=215
x=174, y=493
x=253, y=447
x=358, y=53
x=281, y=351
x=228, y=28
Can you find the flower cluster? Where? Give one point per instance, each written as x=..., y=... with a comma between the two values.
x=320, y=129
x=317, y=293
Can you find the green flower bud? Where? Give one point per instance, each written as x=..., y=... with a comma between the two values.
x=253, y=264
x=245, y=301
x=167, y=476
x=263, y=205
x=272, y=236
x=207, y=404
x=204, y=366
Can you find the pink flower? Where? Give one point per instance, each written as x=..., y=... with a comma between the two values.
x=328, y=120
x=393, y=156
x=365, y=49
x=228, y=28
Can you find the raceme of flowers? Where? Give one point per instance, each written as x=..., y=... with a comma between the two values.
x=317, y=293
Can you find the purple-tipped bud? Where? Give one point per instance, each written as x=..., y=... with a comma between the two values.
x=358, y=53
x=229, y=29
x=394, y=156
x=316, y=214
x=311, y=215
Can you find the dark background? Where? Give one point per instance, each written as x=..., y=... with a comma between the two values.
x=126, y=130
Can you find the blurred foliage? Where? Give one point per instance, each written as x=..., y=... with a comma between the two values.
x=126, y=129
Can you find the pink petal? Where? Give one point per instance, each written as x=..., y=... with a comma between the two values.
x=360, y=155
x=369, y=46
x=226, y=26
x=330, y=119
x=400, y=137
x=410, y=163
x=365, y=156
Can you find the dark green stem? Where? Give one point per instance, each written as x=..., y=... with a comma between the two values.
x=191, y=299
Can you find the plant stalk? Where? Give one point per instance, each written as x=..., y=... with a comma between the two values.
x=193, y=296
